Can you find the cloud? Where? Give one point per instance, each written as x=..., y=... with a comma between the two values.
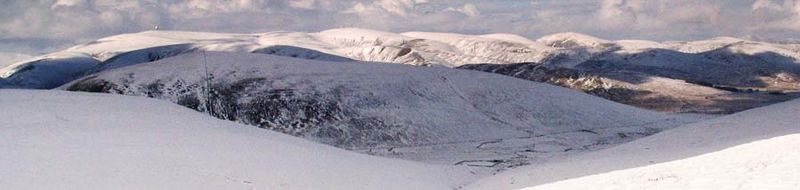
x=81, y=20
x=76, y=19
x=468, y=9
x=784, y=14
x=672, y=19
x=679, y=17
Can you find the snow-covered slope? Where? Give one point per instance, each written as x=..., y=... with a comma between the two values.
x=331, y=45
x=638, y=66
x=373, y=107
x=754, y=149
x=763, y=164
x=67, y=140
x=722, y=60
x=723, y=55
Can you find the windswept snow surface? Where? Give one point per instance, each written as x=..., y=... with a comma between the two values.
x=67, y=140
x=394, y=110
x=754, y=149
x=764, y=164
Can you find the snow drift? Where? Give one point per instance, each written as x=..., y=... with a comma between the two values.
x=67, y=140
x=753, y=149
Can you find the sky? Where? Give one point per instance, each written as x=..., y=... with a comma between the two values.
x=36, y=26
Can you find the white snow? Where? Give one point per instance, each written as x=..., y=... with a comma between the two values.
x=764, y=164
x=333, y=45
x=54, y=139
x=66, y=140
x=754, y=149
x=414, y=48
x=572, y=40
x=431, y=114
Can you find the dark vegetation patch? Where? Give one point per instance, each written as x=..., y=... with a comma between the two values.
x=91, y=84
x=322, y=114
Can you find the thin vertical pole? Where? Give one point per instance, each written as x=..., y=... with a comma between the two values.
x=208, y=84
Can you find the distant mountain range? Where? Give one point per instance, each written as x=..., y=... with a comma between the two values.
x=719, y=75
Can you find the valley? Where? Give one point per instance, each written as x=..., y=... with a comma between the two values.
x=413, y=110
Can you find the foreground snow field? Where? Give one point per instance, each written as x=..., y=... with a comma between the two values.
x=66, y=140
x=764, y=164
x=754, y=149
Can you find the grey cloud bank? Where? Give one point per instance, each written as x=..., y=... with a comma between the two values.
x=83, y=20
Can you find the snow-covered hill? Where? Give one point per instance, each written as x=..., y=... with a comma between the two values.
x=395, y=110
x=721, y=60
x=330, y=45
x=637, y=66
x=66, y=140
x=754, y=149
x=89, y=142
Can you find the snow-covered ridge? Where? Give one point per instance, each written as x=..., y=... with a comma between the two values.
x=718, y=75
x=415, y=48
x=572, y=40
x=331, y=45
